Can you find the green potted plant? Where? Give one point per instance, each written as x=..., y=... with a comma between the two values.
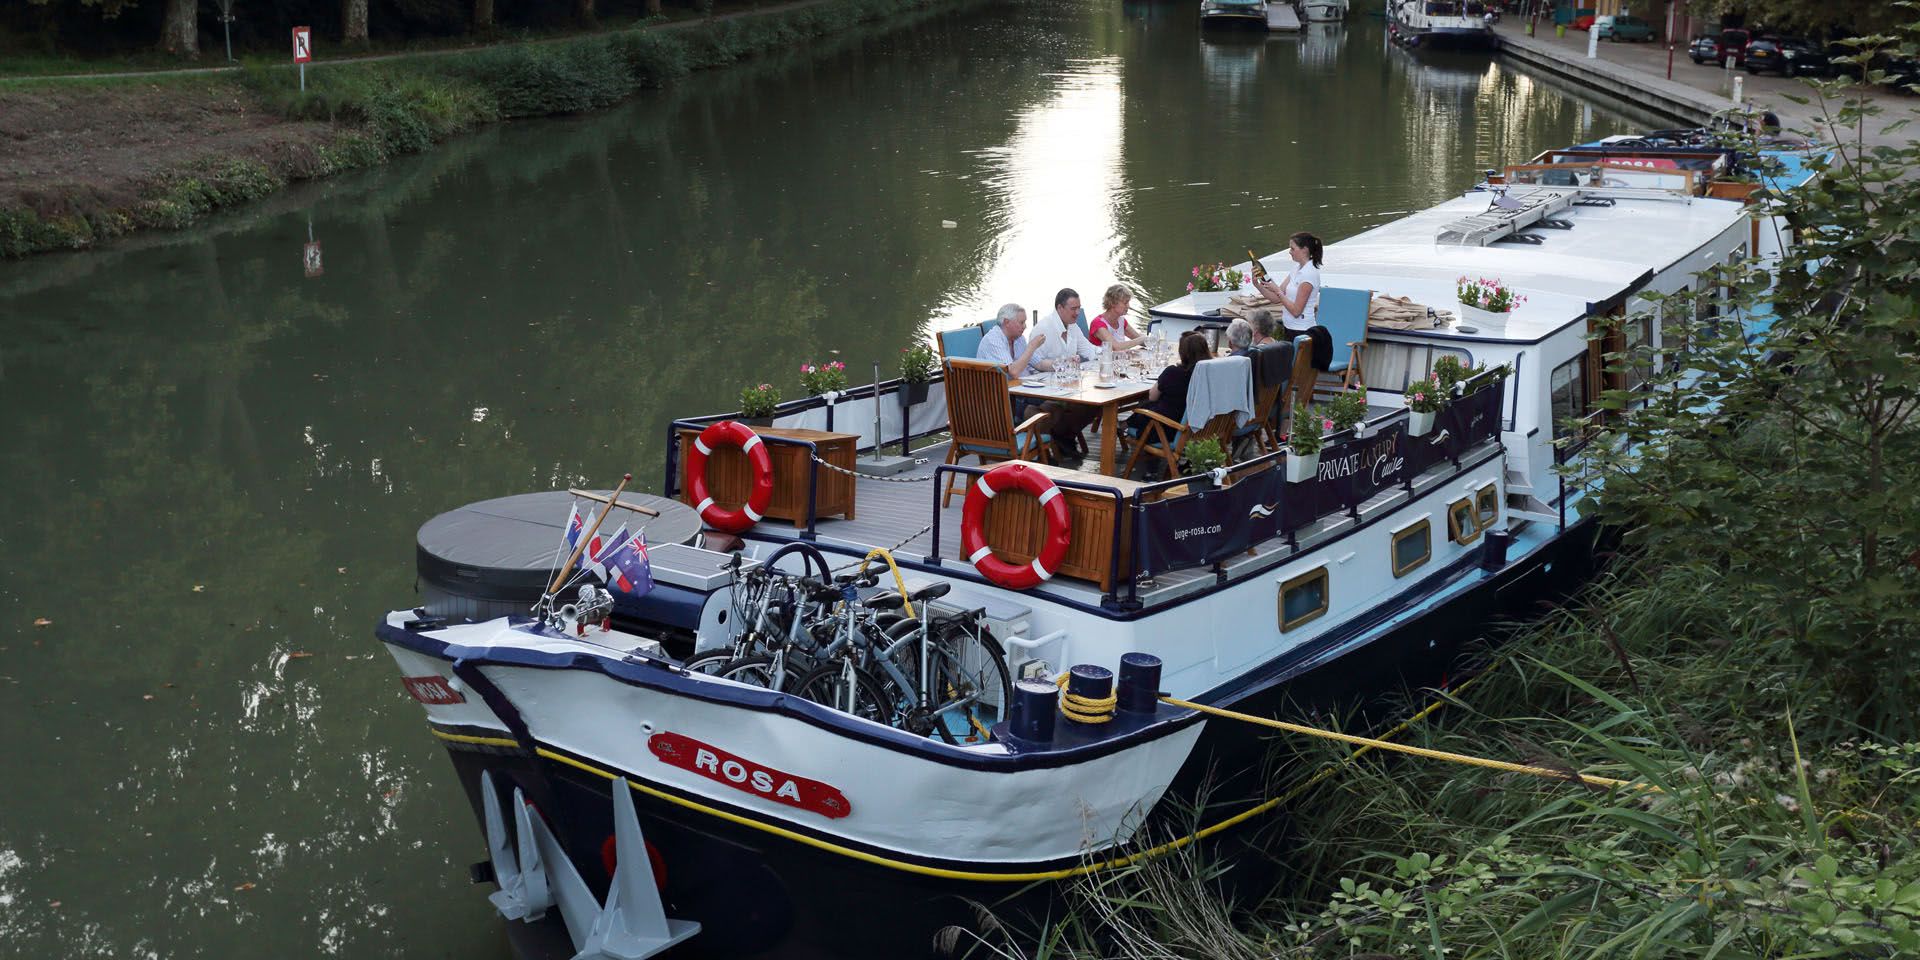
x=1346, y=411
x=1304, y=443
x=1205, y=456
x=916, y=371
x=1424, y=400
x=822, y=378
x=757, y=403
x=1448, y=374
x=1486, y=303
x=1211, y=284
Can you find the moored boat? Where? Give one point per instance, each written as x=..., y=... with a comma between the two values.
x=1234, y=14
x=1323, y=11
x=649, y=768
x=1442, y=24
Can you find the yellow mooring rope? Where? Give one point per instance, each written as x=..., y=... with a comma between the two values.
x=1081, y=709
x=1374, y=744
x=898, y=580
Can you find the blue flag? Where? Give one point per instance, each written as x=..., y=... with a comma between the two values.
x=626, y=568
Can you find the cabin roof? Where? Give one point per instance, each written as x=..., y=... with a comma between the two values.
x=1610, y=252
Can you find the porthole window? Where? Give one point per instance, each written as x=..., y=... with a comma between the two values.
x=1486, y=506
x=1412, y=547
x=1462, y=527
x=1303, y=598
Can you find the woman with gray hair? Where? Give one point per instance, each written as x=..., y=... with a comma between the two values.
x=1239, y=337
x=1263, y=323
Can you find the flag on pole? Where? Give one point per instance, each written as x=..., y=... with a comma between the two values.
x=598, y=546
x=626, y=568
x=574, y=530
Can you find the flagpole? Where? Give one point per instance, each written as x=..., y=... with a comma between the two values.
x=567, y=568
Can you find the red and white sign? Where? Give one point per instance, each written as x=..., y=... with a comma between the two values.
x=310, y=259
x=1646, y=163
x=747, y=776
x=302, y=44
x=432, y=689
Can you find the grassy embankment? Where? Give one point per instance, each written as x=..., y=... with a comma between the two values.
x=372, y=111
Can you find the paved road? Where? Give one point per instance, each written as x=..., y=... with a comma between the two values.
x=1649, y=61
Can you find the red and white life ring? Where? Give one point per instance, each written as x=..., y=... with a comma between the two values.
x=973, y=517
x=728, y=433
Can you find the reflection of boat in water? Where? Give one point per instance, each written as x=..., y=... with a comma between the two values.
x=1452, y=24
x=1323, y=11
x=1277, y=16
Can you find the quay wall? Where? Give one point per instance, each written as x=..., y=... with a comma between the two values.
x=1677, y=102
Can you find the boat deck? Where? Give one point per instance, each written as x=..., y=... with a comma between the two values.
x=898, y=514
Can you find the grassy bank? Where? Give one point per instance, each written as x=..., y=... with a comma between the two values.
x=354, y=115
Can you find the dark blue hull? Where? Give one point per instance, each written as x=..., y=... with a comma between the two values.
x=759, y=893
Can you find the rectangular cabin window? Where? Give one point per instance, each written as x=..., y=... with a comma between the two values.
x=1462, y=525
x=1412, y=547
x=1303, y=598
x=1638, y=338
x=1486, y=506
x=1569, y=394
x=1391, y=366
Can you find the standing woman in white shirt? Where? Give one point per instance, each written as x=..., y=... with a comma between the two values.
x=1298, y=296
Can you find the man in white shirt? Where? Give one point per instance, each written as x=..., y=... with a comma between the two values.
x=1064, y=342
x=1010, y=346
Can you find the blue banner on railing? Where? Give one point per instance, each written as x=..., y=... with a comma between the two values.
x=1212, y=525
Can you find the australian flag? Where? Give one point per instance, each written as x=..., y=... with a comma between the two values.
x=626, y=568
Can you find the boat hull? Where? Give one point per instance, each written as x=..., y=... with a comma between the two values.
x=759, y=890
x=1442, y=38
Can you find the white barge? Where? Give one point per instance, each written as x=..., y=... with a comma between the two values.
x=634, y=798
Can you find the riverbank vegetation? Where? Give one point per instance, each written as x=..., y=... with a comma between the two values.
x=1751, y=661
x=230, y=139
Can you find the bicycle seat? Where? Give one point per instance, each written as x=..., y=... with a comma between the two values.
x=931, y=592
x=883, y=601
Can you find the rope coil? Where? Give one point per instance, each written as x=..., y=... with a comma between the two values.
x=1081, y=709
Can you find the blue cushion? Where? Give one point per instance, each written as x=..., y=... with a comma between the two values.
x=1344, y=313
x=961, y=344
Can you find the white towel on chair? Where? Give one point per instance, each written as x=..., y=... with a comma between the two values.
x=1220, y=386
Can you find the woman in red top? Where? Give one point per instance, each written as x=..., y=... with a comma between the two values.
x=1111, y=325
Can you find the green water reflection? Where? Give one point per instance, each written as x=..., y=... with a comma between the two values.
x=213, y=466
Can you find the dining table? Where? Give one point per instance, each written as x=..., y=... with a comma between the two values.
x=1088, y=390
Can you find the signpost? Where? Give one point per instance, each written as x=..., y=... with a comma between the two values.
x=302, y=52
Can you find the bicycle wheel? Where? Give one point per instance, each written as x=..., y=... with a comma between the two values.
x=848, y=689
x=709, y=663
x=969, y=682
x=760, y=671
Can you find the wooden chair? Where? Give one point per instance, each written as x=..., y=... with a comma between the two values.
x=1271, y=375
x=1301, y=396
x=1167, y=439
x=980, y=417
x=1344, y=313
x=964, y=343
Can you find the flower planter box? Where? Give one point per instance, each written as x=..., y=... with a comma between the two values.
x=1420, y=424
x=1483, y=320
x=1209, y=303
x=1301, y=467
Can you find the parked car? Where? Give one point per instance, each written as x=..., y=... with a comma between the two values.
x=1902, y=72
x=1705, y=50
x=1733, y=43
x=1623, y=27
x=1788, y=56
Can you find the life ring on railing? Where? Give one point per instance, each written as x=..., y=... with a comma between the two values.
x=729, y=433
x=973, y=517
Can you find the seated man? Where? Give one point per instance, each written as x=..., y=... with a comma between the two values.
x=1064, y=344
x=1239, y=337
x=1263, y=324
x=1009, y=346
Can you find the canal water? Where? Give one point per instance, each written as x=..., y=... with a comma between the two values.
x=212, y=465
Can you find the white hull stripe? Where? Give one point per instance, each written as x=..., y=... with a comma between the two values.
x=704, y=504
x=752, y=441
x=1044, y=573
x=702, y=447
x=977, y=554
x=981, y=484
x=1049, y=495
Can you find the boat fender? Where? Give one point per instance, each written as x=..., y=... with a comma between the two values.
x=1493, y=550
x=730, y=433
x=973, y=519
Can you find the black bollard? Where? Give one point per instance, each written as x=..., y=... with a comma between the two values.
x=1139, y=683
x=1090, y=682
x=1493, y=552
x=1031, y=716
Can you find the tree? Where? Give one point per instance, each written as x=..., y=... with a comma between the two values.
x=482, y=16
x=180, y=30
x=1865, y=16
x=353, y=15
x=583, y=9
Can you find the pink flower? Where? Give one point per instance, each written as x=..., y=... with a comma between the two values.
x=1419, y=397
x=1196, y=271
x=1326, y=425
x=1189, y=288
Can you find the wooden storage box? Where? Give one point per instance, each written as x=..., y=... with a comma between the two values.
x=1016, y=526
x=729, y=475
